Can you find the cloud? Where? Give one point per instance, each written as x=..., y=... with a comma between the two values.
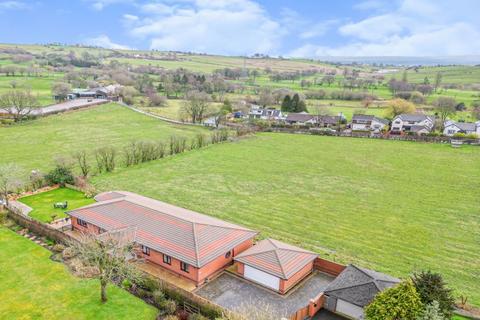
x=318, y=30
x=99, y=5
x=105, y=42
x=413, y=28
x=12, y=5
x=233, y=27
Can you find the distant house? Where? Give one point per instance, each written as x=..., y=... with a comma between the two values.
x=187, y=243
x=275, y=265
x=211, y=122
x=330, y=121
x=452, y=127
x=257, y=112
x=302, y=118
x=363, y=122
x=353, y=289
x=107, y=92
x=414, y=123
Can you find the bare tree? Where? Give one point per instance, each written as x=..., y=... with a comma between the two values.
x=196, y=106
x=108, y=254
x=10, y=179
x=61, y=90
x=82, y=161
x=445, y=107
x=18, y=103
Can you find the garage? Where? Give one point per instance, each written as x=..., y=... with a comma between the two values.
x=349, y=309
x=262, y=278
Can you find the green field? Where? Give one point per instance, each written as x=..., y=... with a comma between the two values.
x=42, y=203
x=394, y=206
x=34, y=287
x=35, y=144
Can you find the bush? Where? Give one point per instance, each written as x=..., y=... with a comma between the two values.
x=169, y=306
x=177, y=145
x=158, y=297
x=432, y=288
x=459, y=135
x=399, y=302
x=432, y=312
x=60, y=175
x=126, y=284
x=58, y=247
x=170, y=317
x=472, y=136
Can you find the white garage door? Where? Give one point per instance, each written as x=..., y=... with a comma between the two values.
x=349, y=309
x=262, y=277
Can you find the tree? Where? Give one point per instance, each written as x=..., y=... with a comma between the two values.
x=396, y=107
x=196, y=106
x=107, y=254
x=399, y=302
x=60, y=90
x=61, y=174
x=438, y=81
x=265, y=97
x=10, y=179
x=81, y=158
x=255, y=73
x=297, y=105
x=432, y=288
x=18, y=103
x=445, y=107
x=476, y=113
x=286, y=104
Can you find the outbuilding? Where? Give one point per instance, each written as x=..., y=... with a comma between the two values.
x=275, y=265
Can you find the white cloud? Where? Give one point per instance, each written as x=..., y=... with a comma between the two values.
x=12, y=5
x=414, y=28
x=105, y=42
x=318, y=30
x=215, y=26
x=101, y=4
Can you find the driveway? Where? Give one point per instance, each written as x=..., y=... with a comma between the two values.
x=327, y=315
x=64, y=106
x=237, y=294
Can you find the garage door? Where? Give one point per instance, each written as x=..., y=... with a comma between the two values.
x=262, y=277
x=349, y=309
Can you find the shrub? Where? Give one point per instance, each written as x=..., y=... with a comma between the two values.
x=432, y=288
x=472, y=136
x=68, y=253
x=105, y=158
x=61, y=175
x=58, y=247
x=432, y=312
x=399, y=302
x=158, y=297
x=142, y=293
x=459, y=135
x=169, y=306
x=126, y=284
x=170, y=317
x=177, y=145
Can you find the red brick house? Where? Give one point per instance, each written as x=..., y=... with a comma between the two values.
x=190, y=244
x=275, y=265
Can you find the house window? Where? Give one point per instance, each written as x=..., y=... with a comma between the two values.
x=228, y=254
x=167, y=259
x=82, y=223
x=184, y=266
x=146, y=250
x=451, y=132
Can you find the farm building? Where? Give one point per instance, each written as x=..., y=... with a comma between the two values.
x=354, y=289
x=275, y=265
x=187, y=243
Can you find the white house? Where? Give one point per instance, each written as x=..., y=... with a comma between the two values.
x=415, y=123
x=363, y=122
x=257, y=112
x=452, y=127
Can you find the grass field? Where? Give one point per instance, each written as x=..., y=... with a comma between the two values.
x=34, y=287
x=42, y=203
x=39, y=86
x=394, y=206
x=34, y=144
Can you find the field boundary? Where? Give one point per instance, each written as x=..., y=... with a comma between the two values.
x=149, y=114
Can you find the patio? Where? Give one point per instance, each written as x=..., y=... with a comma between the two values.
x=237, y=294
x=164, y=274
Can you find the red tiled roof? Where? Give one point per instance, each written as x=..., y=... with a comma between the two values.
x=277, y=258
x=186, y=235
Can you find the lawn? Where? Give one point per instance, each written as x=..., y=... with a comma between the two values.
x=42, y=203
x=34, y=287
x=393, y=206
x=35, y=144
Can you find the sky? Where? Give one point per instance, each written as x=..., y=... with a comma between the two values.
x=286, y=28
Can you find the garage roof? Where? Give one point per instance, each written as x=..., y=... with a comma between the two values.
x=358, y=285
x=276, y=258
x=186, y=235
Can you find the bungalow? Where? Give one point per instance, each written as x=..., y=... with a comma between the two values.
x=187, y=243
x=302, y=118
x=452, y=127
x=353, y=289
x=330, y=121
x=275, y=265
x=257, y=112
x=363, y=122
x=414, y=123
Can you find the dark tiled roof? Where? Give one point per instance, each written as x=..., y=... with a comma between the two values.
x=416, y=128
x=416, y=117
x=363, y=117
x=358, y=285
x=329, y=119
x=183, y=234
x=277, y=258
x=299, y=117
x=466, y=126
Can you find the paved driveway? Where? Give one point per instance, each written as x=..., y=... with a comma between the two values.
x=327, y=315
x=235, y=293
